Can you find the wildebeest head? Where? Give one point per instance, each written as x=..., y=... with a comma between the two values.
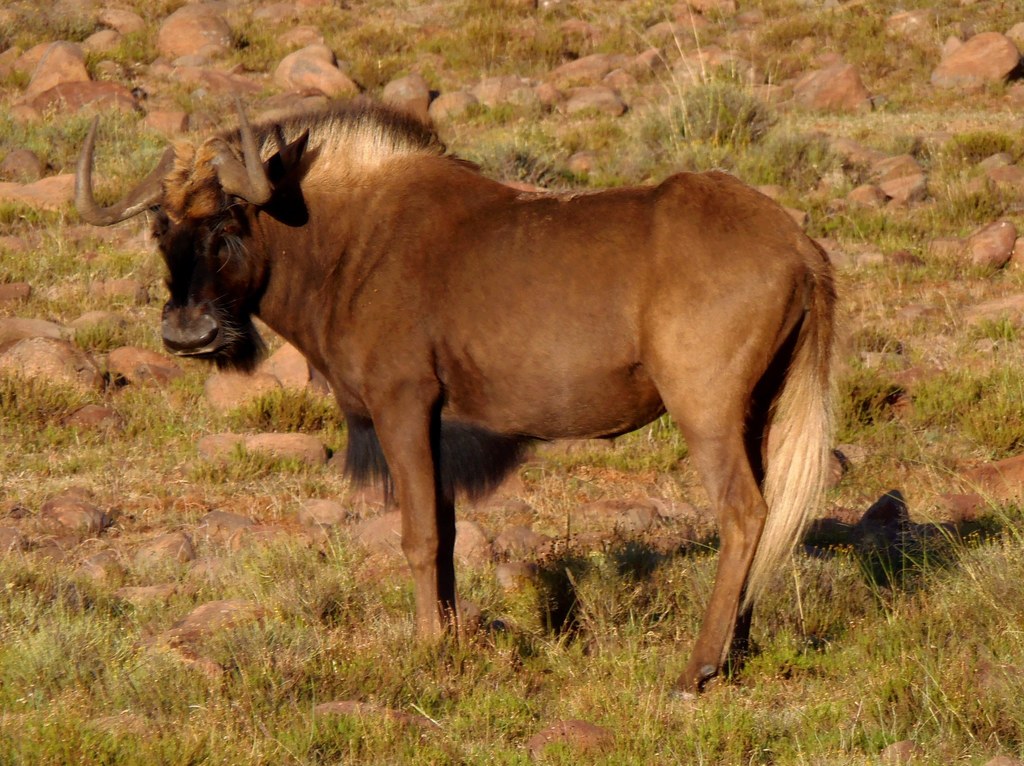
x=203, y=199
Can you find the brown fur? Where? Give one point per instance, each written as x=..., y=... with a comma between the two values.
x=454, y=317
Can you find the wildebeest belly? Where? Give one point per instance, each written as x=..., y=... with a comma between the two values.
x=550, y=398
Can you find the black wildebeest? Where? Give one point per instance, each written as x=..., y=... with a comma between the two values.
x=456, y=318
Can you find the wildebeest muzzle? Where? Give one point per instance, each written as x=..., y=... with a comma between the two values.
x=190, y=330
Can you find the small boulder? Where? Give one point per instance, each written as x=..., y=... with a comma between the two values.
x=52, y=360
x=141, y=366
x=594, y=98
x=991, y=246
x=302, y=447
x=988, y=57
x=226, y=391
x=221, y=526
x=72, y=513
x=193, y=29
x=382, y=534
x=322, y=513
x=173, y=546
x=314, y=68
x=472, y=544
x=579, y=736
x=124, y=21
x=452, y=105
x=410, y=94
x=61, y=63
x=836, y=88
x=21, y=165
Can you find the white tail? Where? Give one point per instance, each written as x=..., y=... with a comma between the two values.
x=799, y=445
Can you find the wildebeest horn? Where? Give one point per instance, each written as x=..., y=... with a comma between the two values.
x=249, y=180
x=141, y=198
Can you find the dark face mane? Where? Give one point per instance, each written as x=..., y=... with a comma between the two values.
x=214, y=279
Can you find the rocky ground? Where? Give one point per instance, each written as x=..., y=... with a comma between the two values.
x=79, y=307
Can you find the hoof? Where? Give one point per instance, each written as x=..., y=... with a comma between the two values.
x=689, y=686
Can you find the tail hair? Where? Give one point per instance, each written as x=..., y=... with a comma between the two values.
x=801, y=440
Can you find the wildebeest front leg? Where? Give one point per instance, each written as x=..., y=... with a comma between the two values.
x=404, y=427
x=741, y=511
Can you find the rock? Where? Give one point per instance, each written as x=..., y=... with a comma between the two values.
x=301, y=447
x=365, y=710
x=382, y=534
x=102, y=566
x=1010, y=307
x=54, y=361
x=586, y=70
x=169, y=122
x=1004, y=760
x=505, y=89
x=14, y=292
x=991, y=246
x=141, y=595
x=629, y=516
x=961, y=506
x=904, y=751
x=142, y=366
x=289, y=366
x=1017, y=259
x=901, y=179
x=226, y=391
x=1007, y=177
x=132, y=289
x=125, y=22
x=74, y=96
x=519, y=542
x=867, y=195
x=173, y=546
x=577, y=735
x=21, y=165
x=410, y=94
x=314, y=68
x=103, y=41
x=911, y=24
x=212, y=617
x=221, y=526
x=988, y=57
x=50, y=193
x=450, y=106
x=322, y=513
x=836, y=88
x=14, y=329
x=513, y=575
x=594, y=98
x=217, y=447
x=1002, y=480
x=472, y=544
x=93, y=416
x=195, y=29
x=11, y=540
x=61, y=63
x=74, y=514
x=301, y=36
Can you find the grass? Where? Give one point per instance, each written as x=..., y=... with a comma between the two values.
x=864, y=642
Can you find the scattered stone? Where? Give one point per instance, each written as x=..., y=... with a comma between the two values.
x=901, y=179
x=587, y=70
x=75, y=96
x=1017, y=259
x=904, y=751
x=11, y=540
x=14, y=329
x=1004, y=760
x=14, y=292
x=195, y=29
x=125, y=22
x=62, y=62
x=75, y=514
x=102, y=566
x=21, y=165
x=472, y=544
x=141, y=595
x=867, y=195
x=988, y=57
x=302, y=447
x=365, y=710
x=594, y=98
x=173, y=546
x=1002, y=480
x=52, y=360
x=911, y=24
x=1010, y=306
x=50, y=193
x=132, y=289
x=322, y=513
x=382, y=534
x=513, y=575
x=289, y=366
x=142, y=366
x=836, y=88
x=301, y=36
x=217, y=447
x=92, y=320
x=946, y=247
x=519, y=542
x=221, y=526
x=212, y=617
x=627, y=516
x=410, y=94
x=991, y=246
x=103, y=41
x=505, y=89
x=226, y=391
x=578, y=735
x=452, y=105
x=169, y=122
x=314, y=68
x=93, y=416
x=1007, y=177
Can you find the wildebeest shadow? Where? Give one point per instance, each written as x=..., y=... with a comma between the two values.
x=893, y=553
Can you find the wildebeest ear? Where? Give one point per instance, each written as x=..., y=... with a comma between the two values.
x=286, y=161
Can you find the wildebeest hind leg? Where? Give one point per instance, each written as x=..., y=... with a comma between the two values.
x=721, y=459
x=404, y=427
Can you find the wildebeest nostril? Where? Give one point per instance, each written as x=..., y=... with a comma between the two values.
x=185, y=336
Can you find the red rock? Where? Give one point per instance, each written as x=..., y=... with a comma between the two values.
x=11, y=540
x=1017, y=259
x=519, y=542
x=173, y=546
x=301, y=36
x=52, y=360
x=229, y=390
x=904, y=751
x=140, y=595
x=451, y=105
x=1002, y=480
x=93, y=416
x=75, y=514
x=409, y=94
x=595, y=98
x=314, y=68
x=216, y=447
x=867, y=195
x=1009, y=177
x=21, y=165
x=505, y=89
x=911, y=24
x=103, y=41
x=382, y=534
x=60, y=63
x=289, y=366
x=102, y=566
x=992, y=246
x=1010, y=306
x=577, y=735
x=586, y=70
x=212, y=617
x=221, y=526
x=302, y=447
x=51, y=193
x=835, y=88
x=193, y=29
x=988, y=57
x=125, y=22
x=322, y=513
x=140, y=365
x=472, y=544
x=169, y=122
